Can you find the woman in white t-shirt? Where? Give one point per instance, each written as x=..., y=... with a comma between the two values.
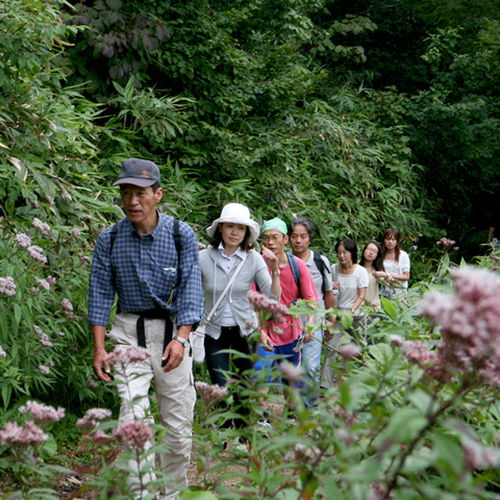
x=396, y=264
x=351, y=281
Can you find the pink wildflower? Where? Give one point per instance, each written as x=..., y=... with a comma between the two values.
x=44, y=369
x=43, y=283
x=128, y=355
x=52, y=281
x=92, y=382
x=37, y=330
x=37, y=254
x=379, y=492
x=2, y=352
x=349, y=351
x=61, y=334
x=14, y=435
x=7, y=286
x=261, y=303
x=22, y=240
x=478, y=456
x=304, y=454
x=42, y=226
x=293, y=373
x=93, y=418
x=135, y=434
x=66, y=305
x=44, y=340
x=82, y=257
x=42, y=413
x=210, y=393
x=75, y=233
x=201, y=246
x=470, y=326
x=447, y=243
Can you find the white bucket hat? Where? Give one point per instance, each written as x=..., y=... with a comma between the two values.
x=238, y=214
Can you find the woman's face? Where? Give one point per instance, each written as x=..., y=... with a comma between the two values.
x=371, y=252
x=232, y=234
x=390, y=242
x=345, y=257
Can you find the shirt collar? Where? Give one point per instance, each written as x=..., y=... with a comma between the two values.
x=239, y=253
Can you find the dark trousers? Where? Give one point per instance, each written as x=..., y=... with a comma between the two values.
x=223, y=365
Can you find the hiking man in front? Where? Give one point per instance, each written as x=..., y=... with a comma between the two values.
x=151, y=261
x=301, y=232
x=296, y=283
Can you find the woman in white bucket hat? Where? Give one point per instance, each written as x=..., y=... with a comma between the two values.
x=231, y=238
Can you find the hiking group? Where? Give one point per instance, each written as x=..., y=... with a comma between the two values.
x=165, y=285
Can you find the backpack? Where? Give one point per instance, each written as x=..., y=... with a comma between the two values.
x=177, y=241
x=320, y=264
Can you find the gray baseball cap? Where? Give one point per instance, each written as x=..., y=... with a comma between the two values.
x=137, y=172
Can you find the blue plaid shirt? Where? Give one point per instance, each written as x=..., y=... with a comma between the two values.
x=145, y=271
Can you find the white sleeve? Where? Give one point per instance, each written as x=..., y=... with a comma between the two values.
x=404, y=262
x=363, y=278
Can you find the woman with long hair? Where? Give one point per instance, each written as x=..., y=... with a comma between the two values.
x=373, y=262
x=396, y=263
x=351, y=281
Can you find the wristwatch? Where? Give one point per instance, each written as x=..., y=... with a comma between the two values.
x=184, y=342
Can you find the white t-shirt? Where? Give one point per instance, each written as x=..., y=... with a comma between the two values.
x=349, y=286
x=398, y=267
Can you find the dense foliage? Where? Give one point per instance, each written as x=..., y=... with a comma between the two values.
x=359, y=115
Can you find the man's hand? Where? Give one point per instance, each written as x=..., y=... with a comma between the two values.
x=100, y=361
x=174, y=352
x=100, y=354
x=271, y=259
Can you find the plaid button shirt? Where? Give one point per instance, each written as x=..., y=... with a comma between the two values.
x=143, y=271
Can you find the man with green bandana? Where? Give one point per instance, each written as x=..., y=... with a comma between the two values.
x=285, y=336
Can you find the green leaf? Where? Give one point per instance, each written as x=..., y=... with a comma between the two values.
x=389, y=307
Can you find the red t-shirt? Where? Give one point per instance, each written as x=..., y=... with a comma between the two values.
x=292, y=328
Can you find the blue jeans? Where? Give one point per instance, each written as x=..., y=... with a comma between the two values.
x=311, y=361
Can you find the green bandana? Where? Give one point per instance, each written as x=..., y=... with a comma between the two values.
x=277, y=224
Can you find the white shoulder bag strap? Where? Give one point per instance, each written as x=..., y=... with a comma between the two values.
x=226, y=289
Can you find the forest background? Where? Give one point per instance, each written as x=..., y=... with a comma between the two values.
x=358, y=115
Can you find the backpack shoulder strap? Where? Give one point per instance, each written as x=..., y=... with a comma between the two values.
x=178, y=247
x=320, y=264
x=295, y=270
x=112, y=234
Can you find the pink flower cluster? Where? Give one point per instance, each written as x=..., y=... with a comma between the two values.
x=93, y=418
x=293, y=373
x=303, y=454
x=447, y=244
x=125, y=355
x=3, y=354
x=269, y=307
x=37, y=254
x=470, y=328
x=7, y=286
x=136, y=434
x=66, y=305
x=210, y=393
x=379, y=492
x=42, y=413
x=14, y=435
x=42, y=226
x=75, y=233
x=349, y=351
x=44, y=369
x=22, y=240
x=43, y=283
x=479, y=457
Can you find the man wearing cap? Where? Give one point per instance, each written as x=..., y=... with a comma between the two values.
x=275, y=237
x=159, y=298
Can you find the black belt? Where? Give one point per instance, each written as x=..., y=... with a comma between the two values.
x=154, y=314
